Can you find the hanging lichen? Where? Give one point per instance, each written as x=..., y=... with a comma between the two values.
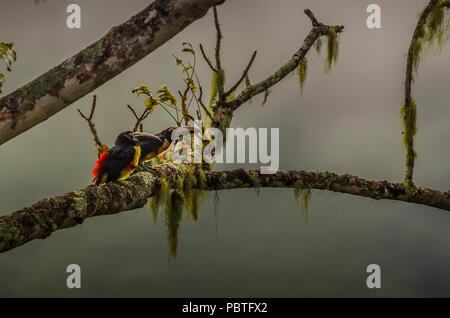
x=302, y=69
x=332, y=49
x=217, y=85
x=432, y=32
x=436, y=34
x=305, y=195
x=186, y=188
x=318, y=45
x=194, y=201
x=159, y=197
x=255, y=181
x=174, y=213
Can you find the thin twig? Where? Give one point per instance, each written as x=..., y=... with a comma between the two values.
x=133, y=111
x=206, y=58
x=139, y=119
x=203, y=105
x=244, y=74
x=218, y=38
x=266, y=95
x=91, y=124
x=310, y=15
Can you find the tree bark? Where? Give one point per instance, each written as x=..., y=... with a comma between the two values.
x=123, y=46
x=48, y=215
x=67, y=210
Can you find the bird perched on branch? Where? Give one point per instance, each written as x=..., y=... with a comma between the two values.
x=118, y=162
x=154, y=144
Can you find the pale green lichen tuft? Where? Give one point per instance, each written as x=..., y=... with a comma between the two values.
x=318, y=45
x=332, y=49
x=217, y=85
x=184, y=194
x=304, y=194
x=302, y=69
x=159, y=197
x=432, y=33
x=174, y=214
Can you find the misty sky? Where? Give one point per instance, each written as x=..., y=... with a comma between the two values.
x=346, y=121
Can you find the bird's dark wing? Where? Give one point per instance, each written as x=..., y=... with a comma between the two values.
x=149, y=144
x=119, y=157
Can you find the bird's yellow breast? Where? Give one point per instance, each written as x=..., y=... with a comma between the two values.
x=125, y=173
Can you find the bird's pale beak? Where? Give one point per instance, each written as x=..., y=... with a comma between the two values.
x=134, y=138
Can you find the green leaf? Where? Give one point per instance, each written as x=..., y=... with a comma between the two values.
x=188, y=50
x=142, y=90
x=164, y=95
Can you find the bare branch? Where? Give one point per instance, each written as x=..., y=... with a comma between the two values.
x=310, y=15
x=205, y=109
x=100, y=146
x=244, y=75
x=208, y=61
x=218, y=38
x=139, y=119
x=133, y=111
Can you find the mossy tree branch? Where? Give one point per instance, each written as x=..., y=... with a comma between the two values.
x=409, y=107
x=67, y=210
x=119, y=49
x=318, y=29
x=46, y=216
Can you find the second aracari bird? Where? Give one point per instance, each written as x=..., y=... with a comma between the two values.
x=153, y=144
x=118, y=162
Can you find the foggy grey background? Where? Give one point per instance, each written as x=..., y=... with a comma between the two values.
x=346, y=121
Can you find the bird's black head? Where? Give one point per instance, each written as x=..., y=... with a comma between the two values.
x=126, y=139
x=167, y=133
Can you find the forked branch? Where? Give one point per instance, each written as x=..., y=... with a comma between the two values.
x=317, y=30
x=101, y=147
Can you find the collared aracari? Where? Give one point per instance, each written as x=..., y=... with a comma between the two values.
x=154, y=144
x=118, y=162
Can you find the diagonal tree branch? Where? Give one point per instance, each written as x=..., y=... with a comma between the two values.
x=46, y=216
x=318, y=30
x=123, y=46
x=243, y=76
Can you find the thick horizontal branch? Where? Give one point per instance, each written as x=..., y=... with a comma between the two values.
x=123, y=46
x=70, y=209
x=331, y=181
x=48, y=215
